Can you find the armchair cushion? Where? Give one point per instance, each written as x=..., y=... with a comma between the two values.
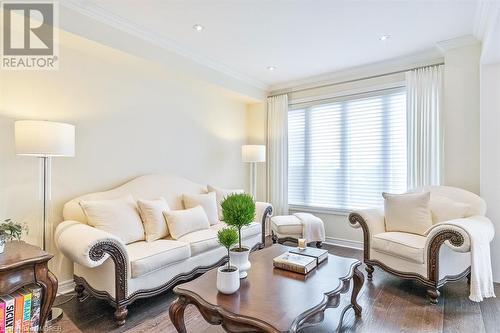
x=119, y=217
x=445, y=209
x=400, y=244
x=146, y=257
x=407, y=212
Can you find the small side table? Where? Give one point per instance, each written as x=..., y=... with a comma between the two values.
x=22, y=264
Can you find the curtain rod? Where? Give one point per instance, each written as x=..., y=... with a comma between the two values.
x=354, y=80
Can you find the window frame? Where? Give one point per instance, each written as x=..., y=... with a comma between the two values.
x=341, y=96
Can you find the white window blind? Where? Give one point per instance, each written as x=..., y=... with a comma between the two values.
x=344, y=153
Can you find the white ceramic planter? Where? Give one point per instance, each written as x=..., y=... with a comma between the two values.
x=2, y=246
x=228, y=282
x=240, y=260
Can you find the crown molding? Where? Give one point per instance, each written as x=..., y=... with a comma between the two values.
x=455, y=43
x=120, y=23
x=425, y=58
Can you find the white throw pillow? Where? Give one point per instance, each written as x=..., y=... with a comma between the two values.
x=118, y=217
x=407, y=212
x=154, y=223
x=220, y=194
x=207, y=201
x=182, y=222
x=445, y=209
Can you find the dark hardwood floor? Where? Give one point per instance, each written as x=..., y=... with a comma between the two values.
x=389, y=305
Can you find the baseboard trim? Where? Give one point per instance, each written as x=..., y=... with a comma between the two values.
x=66, y=287
x=352, y=244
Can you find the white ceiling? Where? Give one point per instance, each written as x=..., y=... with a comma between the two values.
x=301, y=38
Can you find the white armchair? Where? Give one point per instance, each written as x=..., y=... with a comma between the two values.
x=421, y=257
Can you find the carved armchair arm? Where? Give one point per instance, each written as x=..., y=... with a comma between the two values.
x=89, y=246
x=455, y=234
x=372, y=222
x=370, y=219
x=263, y=211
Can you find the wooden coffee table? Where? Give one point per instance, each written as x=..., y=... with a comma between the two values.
x=271, y=299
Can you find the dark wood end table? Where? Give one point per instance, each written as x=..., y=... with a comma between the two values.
x=271, y=299
x=22, y=264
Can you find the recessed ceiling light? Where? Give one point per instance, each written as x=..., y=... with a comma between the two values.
x=198, y=27
x=384, y=37
x=271, y=68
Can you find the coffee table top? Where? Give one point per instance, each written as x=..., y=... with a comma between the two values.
x=270, y=295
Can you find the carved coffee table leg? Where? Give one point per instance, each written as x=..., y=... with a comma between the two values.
x=369, y=270
x=176, y=313
x=359, y=279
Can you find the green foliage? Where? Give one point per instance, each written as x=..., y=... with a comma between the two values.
x=10, y=230
x=227, y=237
x=238, y=210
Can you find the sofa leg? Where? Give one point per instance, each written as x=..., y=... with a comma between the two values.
x=121, y=314
x=79, y=289
x=433, y=294
x=319, y=245
x=369, y=269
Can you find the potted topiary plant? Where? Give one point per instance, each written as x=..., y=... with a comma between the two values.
x=228, y=277
x=8, y=231
x=238, y=210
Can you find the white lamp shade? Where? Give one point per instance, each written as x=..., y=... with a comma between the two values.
x=44, y=138
x=253, y=153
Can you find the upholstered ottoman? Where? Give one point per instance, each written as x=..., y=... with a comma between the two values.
x=289, y=228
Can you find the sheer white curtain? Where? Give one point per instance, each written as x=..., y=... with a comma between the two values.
x=277, y=147
x=424, y=128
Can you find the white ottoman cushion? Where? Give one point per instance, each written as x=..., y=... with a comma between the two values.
x=284, y=225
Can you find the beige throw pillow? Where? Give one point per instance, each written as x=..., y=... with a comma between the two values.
x=220, y=194
x=154, y=223
x=118, y=217
x=207, y=201
x=182, y=222
x=407, y=212
x=445, y=209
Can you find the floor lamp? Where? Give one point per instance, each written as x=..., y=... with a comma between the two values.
x=253, y=154
x=45, y=139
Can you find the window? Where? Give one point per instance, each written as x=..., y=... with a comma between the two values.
x=343, y=153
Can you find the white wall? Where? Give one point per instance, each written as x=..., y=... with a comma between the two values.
x=461, y=117
x=490, y=153
x=490, y=130
x=132, y=117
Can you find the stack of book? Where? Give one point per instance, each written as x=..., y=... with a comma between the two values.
x=20, y=311
x=300, y=260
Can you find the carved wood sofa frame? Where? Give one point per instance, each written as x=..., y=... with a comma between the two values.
x=433, y=283
x=121, y=301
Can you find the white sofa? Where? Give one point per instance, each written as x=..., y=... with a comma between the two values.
x=109, y=269
x=422, y=257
